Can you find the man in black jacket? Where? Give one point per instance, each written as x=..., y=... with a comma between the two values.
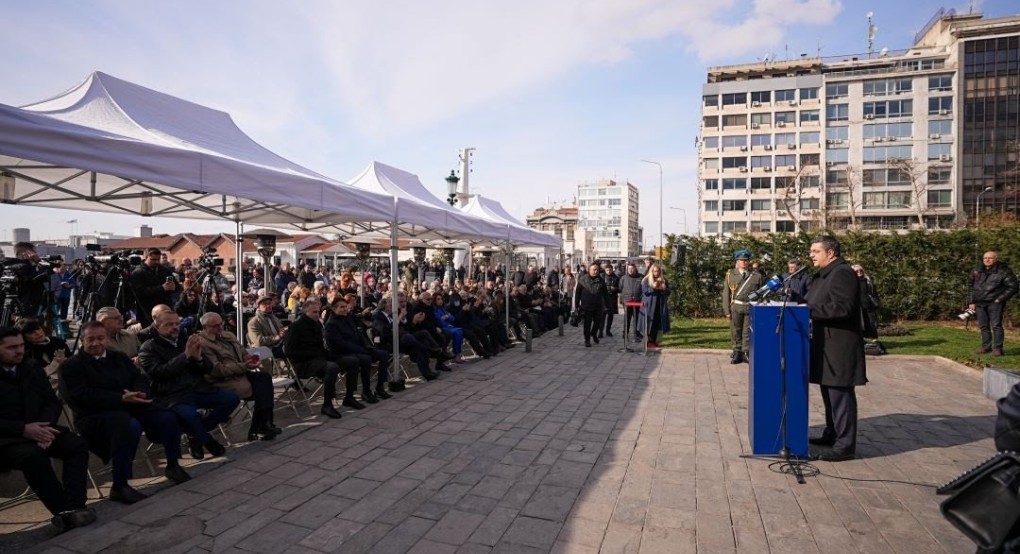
x=109, y=397
x=345, y=338
x=177, y=373
x=153, y=284
x=409, y=343
x=304, y=346
x=837, y=347
x=992, y=284
x=630, y=291
x=590, y=301
x=30, y=436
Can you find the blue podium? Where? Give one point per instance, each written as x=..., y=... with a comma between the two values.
x=765, y=382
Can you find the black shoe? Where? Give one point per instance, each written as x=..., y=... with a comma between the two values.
x=396, y=386
x=381, y=393
x=215, y=448
x=609, y=333
x=196, y=450
x=587, y=344
x=126, y=495
x=736, y=358
x=352, y=402
x=430, y=376
x=595, y=339
x=368, y=397
x=834, y=456
x=822, y=441
x=329, y=411
x=638, y=336
x=176, y=474
x=276, y=431
x=264, y=435
x=72, y=519
x=443, y=367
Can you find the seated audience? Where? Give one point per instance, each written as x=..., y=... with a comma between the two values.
x=109, y=397
x=177, y=373
x=117, y=339
x=303, y=344
x=30, y=436
x=265, y=329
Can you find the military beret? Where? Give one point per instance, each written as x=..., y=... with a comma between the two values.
x=742, y=254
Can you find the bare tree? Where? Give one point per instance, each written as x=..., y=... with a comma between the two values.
x=917, y=173
x=849, y=183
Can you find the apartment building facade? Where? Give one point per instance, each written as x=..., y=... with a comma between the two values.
x=608, y=213
x=873, y=142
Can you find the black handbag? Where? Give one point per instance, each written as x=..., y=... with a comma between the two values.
x=575, y=319
x=985, y=503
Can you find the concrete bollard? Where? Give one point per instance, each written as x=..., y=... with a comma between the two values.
x=527, y=340
x=560, y=321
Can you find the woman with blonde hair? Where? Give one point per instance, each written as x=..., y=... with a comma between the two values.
x=654, y=319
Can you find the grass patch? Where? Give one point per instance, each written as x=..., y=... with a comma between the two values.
x=947, y=339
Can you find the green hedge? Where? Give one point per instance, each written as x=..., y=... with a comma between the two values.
x=920, y=275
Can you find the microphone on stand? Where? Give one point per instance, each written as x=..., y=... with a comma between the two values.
x=800, y=270
x=772, y=285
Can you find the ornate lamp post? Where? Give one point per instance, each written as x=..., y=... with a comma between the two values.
x=448, y=258
x=451, y=188
x=363, y=250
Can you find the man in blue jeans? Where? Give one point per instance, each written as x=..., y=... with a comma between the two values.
x=992, y=284
x=177, y=372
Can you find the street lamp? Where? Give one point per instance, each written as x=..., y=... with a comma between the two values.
x=684, y=213
x=977, y=212
x=660, y=194
x=451, y=188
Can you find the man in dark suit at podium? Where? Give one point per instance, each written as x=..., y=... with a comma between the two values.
x=837, y=347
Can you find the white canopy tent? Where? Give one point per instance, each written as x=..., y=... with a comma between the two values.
x=489, y=209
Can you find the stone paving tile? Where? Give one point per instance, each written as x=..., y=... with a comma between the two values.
x=570, y=449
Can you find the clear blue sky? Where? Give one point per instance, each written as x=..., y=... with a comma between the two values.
x=550, y=93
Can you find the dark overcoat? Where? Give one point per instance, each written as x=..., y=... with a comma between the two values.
x=837, y=337
x=26, y=398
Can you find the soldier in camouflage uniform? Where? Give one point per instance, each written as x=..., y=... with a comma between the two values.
x=740, y=282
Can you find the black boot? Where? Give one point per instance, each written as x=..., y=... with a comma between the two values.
x=352, y=402
x=396, y=386
x=328, y=410
x=367, y=396
x=736, y=357
x=380, y=392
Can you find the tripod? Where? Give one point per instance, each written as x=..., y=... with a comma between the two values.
x=12, y=306
x=94, y=298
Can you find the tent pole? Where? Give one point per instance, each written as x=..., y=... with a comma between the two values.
x=394, y=292
x=239, y=281
x=506, y=280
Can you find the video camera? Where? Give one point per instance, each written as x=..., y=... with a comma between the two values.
x=209, y=261
x=125, y=259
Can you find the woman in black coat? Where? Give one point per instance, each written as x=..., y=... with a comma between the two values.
x=837, y=346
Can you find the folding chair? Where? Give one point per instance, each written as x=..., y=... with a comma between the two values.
x=69, y=418
x=283, y=384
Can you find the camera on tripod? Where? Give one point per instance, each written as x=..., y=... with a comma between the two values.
x=209, y=261
x=125, y=259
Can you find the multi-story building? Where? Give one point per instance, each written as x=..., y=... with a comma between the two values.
x=876, y=141
x=608, y=211
x=560, y=220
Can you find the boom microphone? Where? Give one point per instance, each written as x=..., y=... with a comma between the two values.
x=772, y=285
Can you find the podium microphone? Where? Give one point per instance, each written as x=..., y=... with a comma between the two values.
x=800, y=270
x=772, y=285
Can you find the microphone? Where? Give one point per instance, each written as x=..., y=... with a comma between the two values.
x=772, y=285
x=800, y=270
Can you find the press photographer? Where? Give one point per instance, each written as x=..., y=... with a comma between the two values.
x=24, y=283
x=992, y=284
x=154, y=284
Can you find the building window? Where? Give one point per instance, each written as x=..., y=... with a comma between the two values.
x=835, y=178
x=761, y=161
x=785, y=227
x=836, y=90
x=734, y=205
x=711, y=227
x=759, y=119
x=939, y=150
x=809, y=116
x=761, y=226
x=809, y=137
x=883, y=154
x=735, y=141
x=734, y=99
x=940, y=127
x=734, y=226
x=810, y=159
x=711, y=163
x=898, y=199
x=786, y=117
x=940, y=198
x=761, y=140
x=786, y=138
x=887, y=86
x=711, y=184
x=734, y=162
x=763, y=205
x=940, y=83
x=837, y=155
x=735, y=120
x=837, y=200
x=939, y=175
x=809, y=94
x=761, y=96
x=734, y=184
x=761, y=183
x=786, y=95
x=809, y=203
x=888, y=108
x=786, y=160
x=710, y=100
x=885, y=130
x=841, y=133
x=837, y=112
x=710, y=143
x=711, y=205
x=810, y=181
x=710, y=122
x=940, y=105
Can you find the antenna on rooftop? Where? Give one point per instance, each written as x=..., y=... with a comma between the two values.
x=872, y=29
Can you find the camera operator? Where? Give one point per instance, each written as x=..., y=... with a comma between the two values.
x=154, y=284
x=992, y=284
x=33, y=279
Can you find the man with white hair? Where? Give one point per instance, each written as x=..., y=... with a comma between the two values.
x=117, y=339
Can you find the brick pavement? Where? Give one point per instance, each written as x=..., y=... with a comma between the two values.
x=569, y=449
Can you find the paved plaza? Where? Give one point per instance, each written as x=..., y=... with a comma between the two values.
x=565, y=449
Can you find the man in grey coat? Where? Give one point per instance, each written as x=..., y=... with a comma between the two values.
x=837, y=347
